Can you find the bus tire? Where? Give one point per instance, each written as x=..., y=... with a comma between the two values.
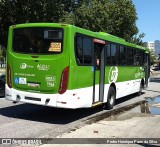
x=110, y=98
x=140, y=90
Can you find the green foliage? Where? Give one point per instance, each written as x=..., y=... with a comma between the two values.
x=123, y=19
x=117, y=17
x=18, y=11
x=1, y=57
x=92, y=15
x=2, y=53
x=138, y=39
x=152, y=57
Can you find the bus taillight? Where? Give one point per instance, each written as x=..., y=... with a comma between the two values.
x=64, y=81
x=9, y=76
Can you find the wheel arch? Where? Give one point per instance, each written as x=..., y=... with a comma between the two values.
x=114, y=86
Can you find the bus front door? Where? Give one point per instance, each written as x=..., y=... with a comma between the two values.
x=99, y=73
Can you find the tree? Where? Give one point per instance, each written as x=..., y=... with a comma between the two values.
x=17, y=11
x=122, y=16
x=92, y=15
x=138, y=39
x=117, y=17
x=2, y=54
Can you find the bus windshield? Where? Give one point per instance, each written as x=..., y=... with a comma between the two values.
x=34, y=40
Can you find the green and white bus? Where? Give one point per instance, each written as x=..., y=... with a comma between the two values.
x=64, y=66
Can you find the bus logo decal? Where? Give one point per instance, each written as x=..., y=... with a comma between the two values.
x=113, y=74
x=23, y=66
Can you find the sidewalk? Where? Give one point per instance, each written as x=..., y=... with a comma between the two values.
x=127, y=125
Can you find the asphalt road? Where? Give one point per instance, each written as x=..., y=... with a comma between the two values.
x=32, y=121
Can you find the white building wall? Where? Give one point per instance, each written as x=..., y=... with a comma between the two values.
x=151, y=46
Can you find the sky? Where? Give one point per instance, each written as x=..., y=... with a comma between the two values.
x=148, y=13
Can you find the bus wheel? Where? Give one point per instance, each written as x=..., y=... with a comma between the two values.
x=111, y=98
x=140, y=89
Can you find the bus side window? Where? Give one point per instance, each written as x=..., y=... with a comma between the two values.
x=114, y=54
x=87, y=50
x=138, y=57
x=79, y=51
x=129, y=56
x=142, y=59
x=122, y=57
x=83, y=50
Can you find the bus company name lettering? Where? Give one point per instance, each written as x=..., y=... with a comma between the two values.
x=43, y=67
x=24, y=74
x=24, y=66
x=138, y=75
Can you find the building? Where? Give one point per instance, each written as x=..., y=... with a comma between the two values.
x=157, y=47
x=150, y=45
x=154, y=47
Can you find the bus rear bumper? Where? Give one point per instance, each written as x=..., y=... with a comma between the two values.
x=30, y=97
x=69, y=99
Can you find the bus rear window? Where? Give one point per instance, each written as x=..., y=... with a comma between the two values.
x=37, y=40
